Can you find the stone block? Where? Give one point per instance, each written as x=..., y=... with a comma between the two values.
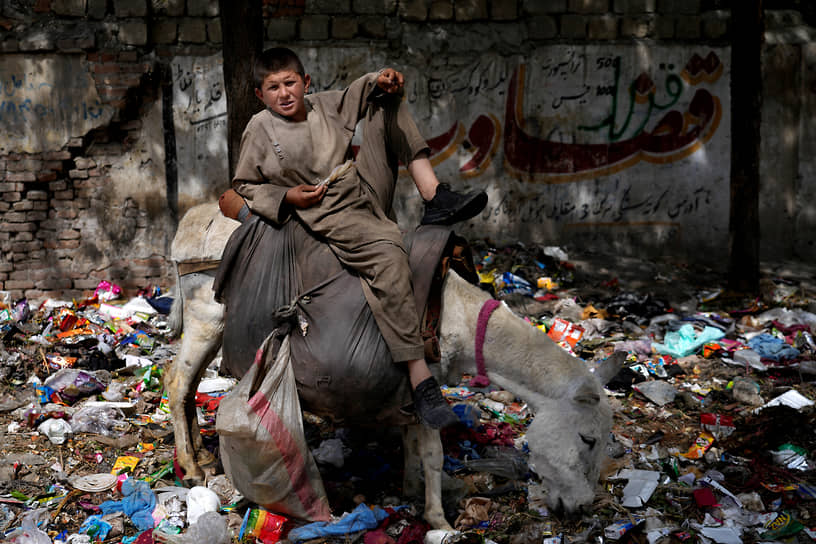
x=193, y=31
x=541, y=7
x=37, y=40
x=133, y=33
x=635, y=6
x=36, y=216
x=9, y=45
x=687, y=27
x=165, y=31
x=11, y=285
x=588, y=6
x=637, y=26
x=173, y=8
x=202, y=8
x=678, y=6
x=470, y=10
x=343, y=28
x=441, y=10
x=6, y=186
x=503, y=10
x=542, y=27
x=281, y=29
x=573, y=26
x=21, y=176
x=373, y=27
x=70, y=8
x=83, y=163
x=97, y=9
x=664, y=26
x=328, y=6
x=715, y=24
x=414, y=10
x=374, y=7
x=314, y=27
x=130, y=8
x=78, y=174
x=12, y=196
x=22, y=206
x=214, y=30
x=37, y=195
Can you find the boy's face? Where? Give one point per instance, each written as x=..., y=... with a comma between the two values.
x=283, y=93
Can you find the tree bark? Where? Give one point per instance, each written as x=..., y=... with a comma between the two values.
x=747, y=36
x=242, y=31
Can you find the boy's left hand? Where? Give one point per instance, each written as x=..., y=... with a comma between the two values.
x=390, y=81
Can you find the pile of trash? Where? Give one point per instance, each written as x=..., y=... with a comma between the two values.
x=714, y=432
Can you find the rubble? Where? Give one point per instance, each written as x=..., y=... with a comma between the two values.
x=713, y=437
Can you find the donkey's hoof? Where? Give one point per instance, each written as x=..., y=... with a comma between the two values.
x=204, y=458
x=437, y=521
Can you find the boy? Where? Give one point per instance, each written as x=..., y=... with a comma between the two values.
x=298, y=141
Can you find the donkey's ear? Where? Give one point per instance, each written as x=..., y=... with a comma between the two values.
x=610, y=366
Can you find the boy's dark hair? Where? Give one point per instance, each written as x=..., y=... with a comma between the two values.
x=276, y=59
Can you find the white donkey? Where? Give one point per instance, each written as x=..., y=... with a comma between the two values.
x=572, y=420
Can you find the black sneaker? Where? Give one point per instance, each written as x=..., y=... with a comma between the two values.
x=448, y=207
x=431, y=406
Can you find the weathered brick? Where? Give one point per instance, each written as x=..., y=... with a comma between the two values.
x=63, y=195
x=86, y=283
x=374, y=7
x=97, y=9
x=214, y=31
x=165, y=31
x=678, y=6
x=22, y=206
x=168, y=7
x=68, y=234
x=130, y=8
x=14, y=217
x=343, y=28
x=39, y=205
x=12, y=196
x=687, y=27
x=715, y=24
x=56, y=166
x=637, y=27
x=604, y=27
x=86, y=192
x=6, y=186
x=133, y=33
x=58, y=185
x=635, y=6
x=78, y=174
x=37, y=40
x=4, y=206
x=193, y=31
x=25, y=247
x=441, y=10
x=373, y=27
x=76, y=45
x=282, y=29
x=314, y=27
x=573, y=26
x=46, y=176
x=541, y=7
x=470, y=10
x=23, y=237
x=36, y=216
x=9, y=45
x=588, y=6
x=414, y=10
x=55, y=283
x=21, y=176
x=11, y=285
x=503, y=10
x=23, y=165
x=542, y=27
x=202, y=8
x=6, y=267
x=57, y=155
x=83, y=163
x=328, y=6
x=65, y=214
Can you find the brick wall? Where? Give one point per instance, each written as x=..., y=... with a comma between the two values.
x=54, y=204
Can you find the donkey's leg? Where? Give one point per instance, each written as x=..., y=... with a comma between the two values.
x=430, y=452
x=412, y=473
x=203, y=332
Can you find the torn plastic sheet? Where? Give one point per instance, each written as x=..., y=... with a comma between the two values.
x=639, y=488
x=792, y=399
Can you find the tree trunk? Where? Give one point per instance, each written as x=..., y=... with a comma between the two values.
x=242, y=31
x=747, y=32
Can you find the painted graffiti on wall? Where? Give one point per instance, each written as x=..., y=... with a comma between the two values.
x=200, y=122
x=45, y=102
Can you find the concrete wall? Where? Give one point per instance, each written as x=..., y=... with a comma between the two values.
x=593, y=124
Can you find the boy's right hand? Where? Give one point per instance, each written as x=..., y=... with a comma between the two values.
x=305, y=196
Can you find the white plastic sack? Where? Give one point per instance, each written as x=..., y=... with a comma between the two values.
x=263, y=446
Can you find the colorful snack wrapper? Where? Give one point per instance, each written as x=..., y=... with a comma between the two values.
x=700, y=446
x=262, y=525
